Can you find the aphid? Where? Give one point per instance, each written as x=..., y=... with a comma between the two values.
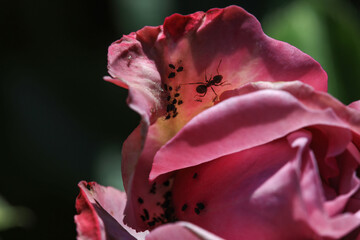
x=197, y=211
x=195, y=175
x=184, y=207
x=165, y=204
x=200, y=205
x=180, y=102
x=170, y=107
x=166, y=183
x=209, y=83
x=171, y=75
x=146, y=213
x=177, y=94
x=140, y=200
x=153, y=188
x=167, y=195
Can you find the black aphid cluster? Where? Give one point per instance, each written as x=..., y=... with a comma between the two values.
x=168, y=213
x=172, y=98
x=199, y=206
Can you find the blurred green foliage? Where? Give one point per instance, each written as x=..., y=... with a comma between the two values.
x=107, y=166
x=131, y=15
x=11, y=216
x=327, y=30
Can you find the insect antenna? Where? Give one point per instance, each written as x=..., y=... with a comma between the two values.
x=217, y=70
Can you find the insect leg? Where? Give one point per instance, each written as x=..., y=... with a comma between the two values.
x=217, y=70
x=216, y=96
x=198, y=95
x=222, y=84
x=192, y=83
x=213, y=91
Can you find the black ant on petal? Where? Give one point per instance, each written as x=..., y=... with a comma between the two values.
x=209, y=83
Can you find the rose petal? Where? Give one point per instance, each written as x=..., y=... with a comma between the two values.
x=261, y=197
x=100, y=213
x=355, y=105
x=353, y=204
x=180, y=230
x=132, y=69
x=348, y=182
x=313, y=99
x=309, y=204
x=241, y=208
x=140, y=214
x=241, y=122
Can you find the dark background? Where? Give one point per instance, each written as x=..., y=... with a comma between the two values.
x=62, y=123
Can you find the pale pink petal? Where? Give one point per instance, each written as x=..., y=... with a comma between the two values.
x=171, y=231
x=180, y=230
x=313, y=99
x=132, y=69
x=100, y=213
x=355, y=105
x=308, y=204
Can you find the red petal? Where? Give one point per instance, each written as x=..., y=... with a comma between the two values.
x=100, y=214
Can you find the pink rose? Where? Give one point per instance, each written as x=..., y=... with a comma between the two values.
x=238, y=139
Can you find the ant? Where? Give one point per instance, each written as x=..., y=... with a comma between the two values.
x=212, y=81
